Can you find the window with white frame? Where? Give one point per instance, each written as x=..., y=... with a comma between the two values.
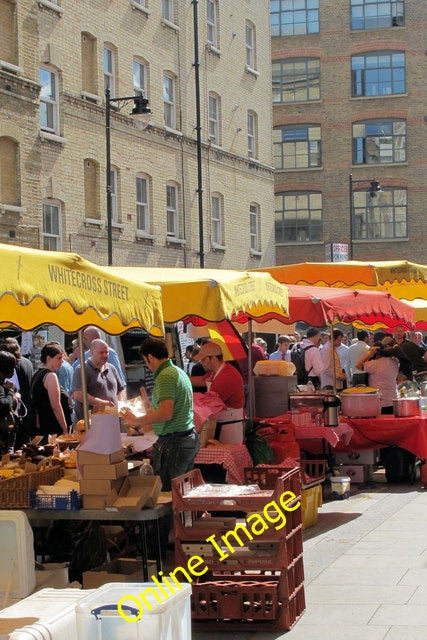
x=141, y=2
x=214, y=119
x=250, y=45
x=167, y=10
x=212, y=22
x=252, y=135
x=169, y=101
x=142, y=203
x=51, y=227
x=298, y=217
x=49, y=101
x=139, y=78
x=172, y=229
x=109, y=71
x=216, y=217
x=254, y=227
x=381, y=217
x=114, y=201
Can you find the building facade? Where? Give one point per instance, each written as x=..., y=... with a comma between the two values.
x=349, y=116
x=57, y=58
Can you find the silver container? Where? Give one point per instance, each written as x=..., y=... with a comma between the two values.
x=361, y=405
x=406, y=407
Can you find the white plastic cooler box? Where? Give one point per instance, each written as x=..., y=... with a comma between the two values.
x=165, y=615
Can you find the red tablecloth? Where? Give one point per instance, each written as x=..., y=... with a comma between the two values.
x=233, y=457
x=369, y=433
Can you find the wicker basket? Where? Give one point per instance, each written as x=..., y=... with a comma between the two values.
x=14, y=492
x=207, y=432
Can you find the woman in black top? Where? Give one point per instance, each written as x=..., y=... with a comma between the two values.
x=46, y=394
x=7, y=399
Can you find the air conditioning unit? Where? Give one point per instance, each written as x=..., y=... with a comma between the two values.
x=398, y=21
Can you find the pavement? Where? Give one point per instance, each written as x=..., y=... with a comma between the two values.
x=365, y=563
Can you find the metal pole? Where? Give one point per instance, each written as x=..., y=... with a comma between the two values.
x=198, y=133
x=108, y=178
x=350, y=244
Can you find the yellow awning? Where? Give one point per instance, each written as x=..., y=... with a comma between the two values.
x=63, y=289
x=403, y=279
x=212, y=294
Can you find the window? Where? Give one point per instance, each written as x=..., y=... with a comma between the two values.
x=297, y=147
x=298, y=217
x=8, y=46
x=89, y=63
x=378, y=74
x=214, y=119
x=211, y=22
x=9, y=183
x=294, y=17
x=252, y=135
x=169, y=101
x=139, y=78
x=250, y=46
x=216, y=214
x=49, y=101
x=172, y=211
x=167, y=10
x=51, y=227
x=377, y=14
x=379, y=142
x=254, y=227
x=91, y=186
x=142, y=204
x=109, y=71
x=382, y=217
x=296, y=80
x=141, y=2
x=114, y=203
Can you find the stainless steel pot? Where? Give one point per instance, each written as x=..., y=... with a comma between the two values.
x=406, y=407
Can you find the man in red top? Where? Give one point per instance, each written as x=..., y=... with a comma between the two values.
x=221, y=377
x=225, y=380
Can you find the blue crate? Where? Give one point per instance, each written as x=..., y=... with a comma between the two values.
x=71, y=501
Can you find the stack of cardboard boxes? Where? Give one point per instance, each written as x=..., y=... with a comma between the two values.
x=101, y=477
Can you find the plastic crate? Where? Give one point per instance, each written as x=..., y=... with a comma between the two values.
x=311, y=499
x=258, y=554
x=313, y=472
x=68, y=501
x=221, y=500
x=249, y=605
x=14, y=492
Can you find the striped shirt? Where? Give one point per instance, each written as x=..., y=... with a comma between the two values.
x=172, y=383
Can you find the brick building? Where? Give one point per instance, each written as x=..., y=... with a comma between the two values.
x=56, y=59
x=349, y=97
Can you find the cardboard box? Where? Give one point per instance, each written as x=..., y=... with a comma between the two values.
x=120, y=570
x=137, y=492
x=104, y=471
x=356, y=472
x=87, y=457
x=97, y=502
x=100, y=487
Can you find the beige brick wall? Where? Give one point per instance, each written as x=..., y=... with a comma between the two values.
x=54, y=168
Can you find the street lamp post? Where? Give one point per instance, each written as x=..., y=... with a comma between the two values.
x=373, y=189
x=140, y=112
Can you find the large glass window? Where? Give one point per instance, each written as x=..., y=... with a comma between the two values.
x=169, y=101
x=51, y=227
x=109, y=71
x=377, y=14
x=378, y=74
x=297, y=147
x=49, y=101
x=296, y=80
x=211, y=22
x=216, y=215
x=379, y=142
x=294, y=17
x=142, y=204
x=381, y=217
x=298, y=217
x=172, y=228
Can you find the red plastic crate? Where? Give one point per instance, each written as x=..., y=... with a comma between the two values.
x=247, y=502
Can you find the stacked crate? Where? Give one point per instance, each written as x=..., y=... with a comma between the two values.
x=257, y=585
x=100, y=477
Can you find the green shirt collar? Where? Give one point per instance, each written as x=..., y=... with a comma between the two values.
x=166, y=363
